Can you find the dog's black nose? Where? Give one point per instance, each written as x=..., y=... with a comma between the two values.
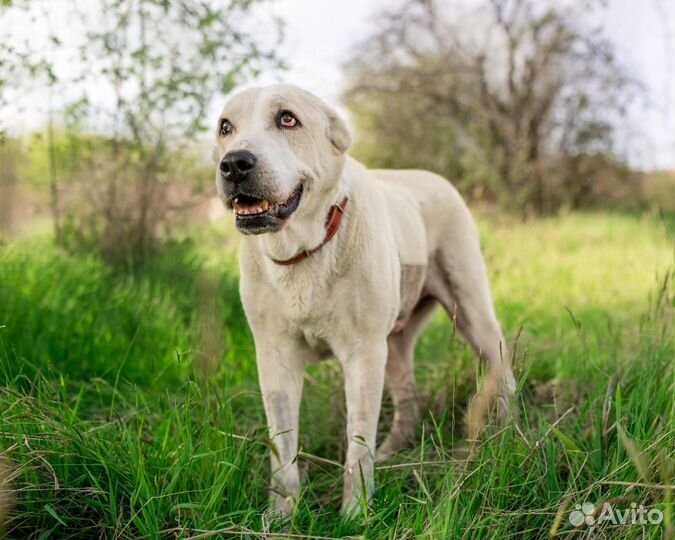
x=236, y=165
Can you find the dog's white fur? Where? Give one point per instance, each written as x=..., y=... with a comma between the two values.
x=407, y=243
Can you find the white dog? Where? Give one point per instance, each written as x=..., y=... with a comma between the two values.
x=339, y=261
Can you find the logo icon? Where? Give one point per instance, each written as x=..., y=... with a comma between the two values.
x=582, y=513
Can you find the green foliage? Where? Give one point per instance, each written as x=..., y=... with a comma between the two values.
x=73, y=149
x=107, y=434
x=144, y=72
x=105, y=202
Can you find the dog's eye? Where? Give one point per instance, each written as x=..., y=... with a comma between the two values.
x=287, y=120
x=226, y=127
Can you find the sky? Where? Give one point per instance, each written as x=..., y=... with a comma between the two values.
x=321, y=34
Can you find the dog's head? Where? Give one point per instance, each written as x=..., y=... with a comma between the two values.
x=279, y=149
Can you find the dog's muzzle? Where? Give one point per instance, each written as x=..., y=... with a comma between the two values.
x=255, y=204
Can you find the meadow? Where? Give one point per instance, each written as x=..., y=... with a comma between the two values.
x=129, y=405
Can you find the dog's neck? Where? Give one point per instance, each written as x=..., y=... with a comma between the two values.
x=333, y=222
x=305, y=230
x=302, y=233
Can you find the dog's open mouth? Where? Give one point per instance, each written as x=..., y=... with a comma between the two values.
x=260, y=215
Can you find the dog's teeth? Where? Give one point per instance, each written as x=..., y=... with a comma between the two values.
x=245, y=209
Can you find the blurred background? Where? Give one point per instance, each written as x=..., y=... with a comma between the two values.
x=533, y=107
x=127, y=370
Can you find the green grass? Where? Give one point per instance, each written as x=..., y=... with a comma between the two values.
x=129, y=405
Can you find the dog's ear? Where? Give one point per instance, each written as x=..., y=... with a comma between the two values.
x=338, y=134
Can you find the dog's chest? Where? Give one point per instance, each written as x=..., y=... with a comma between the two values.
x=303, y=301
x=317, y=309
x=314, y=320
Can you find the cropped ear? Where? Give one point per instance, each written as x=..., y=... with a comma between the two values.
x=338, y=134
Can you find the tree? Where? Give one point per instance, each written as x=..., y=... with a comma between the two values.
x=143, y=73
x=510, y=99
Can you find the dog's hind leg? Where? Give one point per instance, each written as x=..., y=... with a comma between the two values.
x=401, y=381
x=459, y=282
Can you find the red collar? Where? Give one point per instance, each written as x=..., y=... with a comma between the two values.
x=333, y=222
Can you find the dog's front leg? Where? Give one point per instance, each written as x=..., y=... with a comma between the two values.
x=280, y=371
x=364, y=380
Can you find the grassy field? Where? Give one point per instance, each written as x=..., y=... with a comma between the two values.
x=129, y=405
